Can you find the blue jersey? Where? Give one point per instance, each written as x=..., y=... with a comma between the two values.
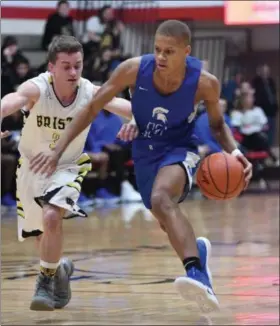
x=164, y=121
x=166, y=126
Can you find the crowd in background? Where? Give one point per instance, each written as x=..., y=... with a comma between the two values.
x=249, y=107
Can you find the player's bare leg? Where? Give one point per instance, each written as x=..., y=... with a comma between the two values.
x=194, y=253
x=53, y=287
x=168, y=188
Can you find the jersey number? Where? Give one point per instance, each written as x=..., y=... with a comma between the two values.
x=55, y=138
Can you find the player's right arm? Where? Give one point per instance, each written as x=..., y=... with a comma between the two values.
x=26, y=95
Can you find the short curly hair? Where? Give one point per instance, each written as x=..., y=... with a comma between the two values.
x=176, y=29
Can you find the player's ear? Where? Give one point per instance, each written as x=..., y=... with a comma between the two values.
x=50, y=67
x=188, y=50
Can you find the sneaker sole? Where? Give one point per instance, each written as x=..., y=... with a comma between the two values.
x=61, y=304
x=208, y=250
x=40, y=304
x=192, y=290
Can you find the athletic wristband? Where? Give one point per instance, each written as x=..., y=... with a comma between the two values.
x=236, y=152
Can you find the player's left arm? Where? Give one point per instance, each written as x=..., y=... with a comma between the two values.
x=119, y=106
x=209, y=89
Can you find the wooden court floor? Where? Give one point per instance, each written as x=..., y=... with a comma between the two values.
x=124, y=267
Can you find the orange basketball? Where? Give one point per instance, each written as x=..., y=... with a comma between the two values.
x=220, y=176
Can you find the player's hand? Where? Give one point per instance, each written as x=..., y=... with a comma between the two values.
x=5, y=134
x=44, y=163
x=128, y=132
x=248, y=168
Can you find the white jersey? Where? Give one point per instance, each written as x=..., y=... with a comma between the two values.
x=48, y=119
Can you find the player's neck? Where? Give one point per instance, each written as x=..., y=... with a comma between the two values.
x=64, y=94
x=173, y=77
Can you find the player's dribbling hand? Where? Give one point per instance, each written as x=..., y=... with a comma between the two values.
x=248, y=168
x=5, y=134
x=128, y=132
x=44, y=163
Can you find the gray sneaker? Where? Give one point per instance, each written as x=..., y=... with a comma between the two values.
x=43, y=299
x=62, y=290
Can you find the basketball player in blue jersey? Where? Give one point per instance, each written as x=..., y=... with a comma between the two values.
x=165, y=88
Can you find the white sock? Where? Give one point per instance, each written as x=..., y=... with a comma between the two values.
x=49, y=265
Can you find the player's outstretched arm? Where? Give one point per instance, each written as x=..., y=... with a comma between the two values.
x=118, y=106
x=25, y=96
x=210, y=90
x=27, y=93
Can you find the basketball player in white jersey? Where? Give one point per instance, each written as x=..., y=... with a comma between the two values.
x=51, y=100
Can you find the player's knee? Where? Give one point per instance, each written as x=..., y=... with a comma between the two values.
x=52, y=220
x=161, y=203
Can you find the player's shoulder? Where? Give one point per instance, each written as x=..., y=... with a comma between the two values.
x=84, y=82
x=42, y=77
x=208, y=80
x=41, y=81
x=88, y=89
x=208, y=86
x=131, y=64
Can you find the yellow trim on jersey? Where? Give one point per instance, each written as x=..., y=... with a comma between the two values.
x=84, y=158
x=75, y=185
x=20, y=210
x=20, y=213
x=79, y=179
x=83, y=171
x=19, y=205
x=84, y=163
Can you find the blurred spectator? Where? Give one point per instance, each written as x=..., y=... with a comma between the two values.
x=244, y=87
x=105, y=151
x=58, y=23
x=98, y=68
x=266, y=98
x=208, y=143
x=10, y=52
x=16, y=74
x=103, y=30
x=22, y=72
x=6, y=83
x=251, y=122
x=229, y=89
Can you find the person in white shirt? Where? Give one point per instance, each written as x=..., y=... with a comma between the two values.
x=103, y=31
x=251, y=122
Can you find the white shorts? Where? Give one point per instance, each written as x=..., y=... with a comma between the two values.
x=61, y=189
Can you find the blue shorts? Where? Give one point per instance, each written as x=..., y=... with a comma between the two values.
x=146, y=170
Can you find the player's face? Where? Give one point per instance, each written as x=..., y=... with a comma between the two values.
x=170, y=54
x=67, y=69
